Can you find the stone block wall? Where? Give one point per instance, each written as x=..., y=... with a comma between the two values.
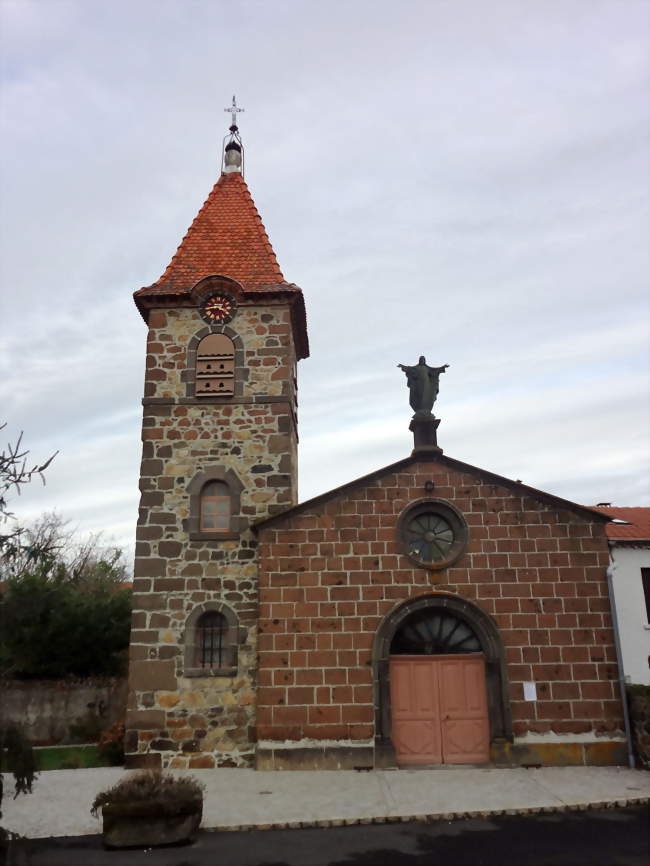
x=63, y=712
x=197, y=721
x=330, y=574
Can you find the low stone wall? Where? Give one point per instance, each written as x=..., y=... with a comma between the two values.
x=638, y=698
x=603, y=753
x=54, y=712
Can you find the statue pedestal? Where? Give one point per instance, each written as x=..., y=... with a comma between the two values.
x=424, y=429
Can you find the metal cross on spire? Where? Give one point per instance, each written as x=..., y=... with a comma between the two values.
x=234, y=111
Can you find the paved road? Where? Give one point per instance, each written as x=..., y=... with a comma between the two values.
x=612, y=837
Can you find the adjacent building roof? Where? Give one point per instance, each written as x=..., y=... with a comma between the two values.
x=635, y=528
x=228, y=238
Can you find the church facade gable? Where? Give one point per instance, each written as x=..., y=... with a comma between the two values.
x=337, y=580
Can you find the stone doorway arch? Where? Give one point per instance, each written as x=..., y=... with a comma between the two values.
x=491, y=645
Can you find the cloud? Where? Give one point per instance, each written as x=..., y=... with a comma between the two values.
x=465, y=180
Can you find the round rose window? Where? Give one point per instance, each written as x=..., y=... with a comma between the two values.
x=433, y=533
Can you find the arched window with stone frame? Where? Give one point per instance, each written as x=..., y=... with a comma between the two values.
x=210, y=646
x=214, y=507
x=211, y=641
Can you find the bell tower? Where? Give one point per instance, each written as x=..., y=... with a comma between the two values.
x=219, y=442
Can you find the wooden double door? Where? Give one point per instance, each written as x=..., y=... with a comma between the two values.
x=439, y=709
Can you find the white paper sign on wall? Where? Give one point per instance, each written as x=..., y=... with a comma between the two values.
x=530, y=692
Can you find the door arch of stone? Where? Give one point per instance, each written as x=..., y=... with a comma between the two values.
x=485, y=632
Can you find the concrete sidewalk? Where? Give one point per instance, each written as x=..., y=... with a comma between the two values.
x=244, y=799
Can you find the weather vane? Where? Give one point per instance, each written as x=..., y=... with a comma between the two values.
x=234, y=111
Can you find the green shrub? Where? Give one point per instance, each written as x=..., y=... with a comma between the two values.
x=54, y=627
x=638, y=700
x=637, y=690
x=17, y=757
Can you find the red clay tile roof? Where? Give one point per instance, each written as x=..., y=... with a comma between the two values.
x=227, y=237
x=636, y=527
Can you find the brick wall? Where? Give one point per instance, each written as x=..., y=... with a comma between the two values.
x=331, y=573
x=173, y=719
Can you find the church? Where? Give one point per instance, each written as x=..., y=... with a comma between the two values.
x=431, y=612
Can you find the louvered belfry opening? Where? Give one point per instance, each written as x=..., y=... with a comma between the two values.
x=211, y=640
x=215, y=366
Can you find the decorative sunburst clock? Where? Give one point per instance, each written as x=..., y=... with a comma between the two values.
x=218, y=309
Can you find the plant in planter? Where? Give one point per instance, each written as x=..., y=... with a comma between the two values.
x=150, y=808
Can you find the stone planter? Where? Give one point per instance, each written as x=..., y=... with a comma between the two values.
x=148, y=824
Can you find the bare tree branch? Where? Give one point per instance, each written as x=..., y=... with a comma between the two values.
x=14, y=472
x=13, y=465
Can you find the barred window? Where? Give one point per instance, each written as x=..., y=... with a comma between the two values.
x=211, y=643
x=216, y=507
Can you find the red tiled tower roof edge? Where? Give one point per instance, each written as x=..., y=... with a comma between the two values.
x=227, y=237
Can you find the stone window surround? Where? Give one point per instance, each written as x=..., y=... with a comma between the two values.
x=196, y=485
x=453, y=517
x=492, y=647
x=189, y=374
x=235, y=635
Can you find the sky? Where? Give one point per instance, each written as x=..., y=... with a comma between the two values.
x=455, y=178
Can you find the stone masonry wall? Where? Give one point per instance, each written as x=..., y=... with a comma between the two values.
x=60, y=712
x=176, y=720
x=330, y=574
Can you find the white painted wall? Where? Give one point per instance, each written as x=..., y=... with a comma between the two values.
x=631, y=610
